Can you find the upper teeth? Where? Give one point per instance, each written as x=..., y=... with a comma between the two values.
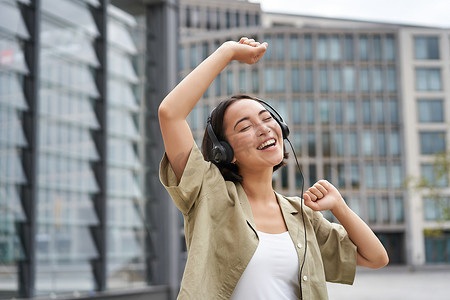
x=266, y=143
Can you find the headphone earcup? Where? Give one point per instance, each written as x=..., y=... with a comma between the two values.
x=284, y=129
x=223, y=153
x=229, y=153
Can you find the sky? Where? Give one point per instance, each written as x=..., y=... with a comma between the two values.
x=435, y=13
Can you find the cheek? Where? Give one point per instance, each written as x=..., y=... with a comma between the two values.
x=242, y=143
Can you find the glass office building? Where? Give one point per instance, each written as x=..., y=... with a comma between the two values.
x=71, y=137
x=367, y=104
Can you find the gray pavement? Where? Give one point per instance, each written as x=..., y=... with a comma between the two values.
x=396, y=283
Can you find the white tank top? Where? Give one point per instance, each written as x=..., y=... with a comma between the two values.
x=273, y=271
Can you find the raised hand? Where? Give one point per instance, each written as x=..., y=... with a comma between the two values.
x=323, y=196
x=247, y=50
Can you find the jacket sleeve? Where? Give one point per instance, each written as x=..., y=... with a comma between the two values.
x=337, y=250
x=189, y=189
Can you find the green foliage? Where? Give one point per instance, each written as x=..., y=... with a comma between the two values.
x=430, y=189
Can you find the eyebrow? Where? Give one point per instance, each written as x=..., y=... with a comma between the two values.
x=247, y=118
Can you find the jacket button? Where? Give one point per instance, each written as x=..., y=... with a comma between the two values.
x=299, y=245
x=305, y=278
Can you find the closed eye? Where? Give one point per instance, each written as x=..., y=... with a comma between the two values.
x=244, y=129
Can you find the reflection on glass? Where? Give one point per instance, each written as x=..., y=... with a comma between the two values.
x=13, y=178
x=126, y=265
x=66, y=180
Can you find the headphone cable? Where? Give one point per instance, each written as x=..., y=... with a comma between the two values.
x=303, y=216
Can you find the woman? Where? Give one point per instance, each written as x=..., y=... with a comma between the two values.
x=244, y=240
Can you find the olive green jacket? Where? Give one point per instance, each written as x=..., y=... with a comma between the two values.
x=221, y=235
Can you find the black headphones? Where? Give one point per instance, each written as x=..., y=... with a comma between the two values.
x=222, y=153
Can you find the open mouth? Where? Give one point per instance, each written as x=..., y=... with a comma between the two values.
x=267, y=144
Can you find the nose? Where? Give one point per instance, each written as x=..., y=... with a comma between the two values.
x=262, y=129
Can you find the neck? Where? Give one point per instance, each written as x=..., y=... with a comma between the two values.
x=258, y=186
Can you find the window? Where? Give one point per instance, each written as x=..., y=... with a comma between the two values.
x=363, y=48
x=309, y=80
x=341, y=175
x=295, y=79
x=426, y=48
x=389, y=48
x=323, y=79
x=432, y=142
x=377, y=48
x=322, y=48
x=294, y=47
x=399, y=211
x=385, y=209
x=351, y=112
x=377, y=77
x=430, y=110
x=230, y=83
x=428, y=79
x=335, y=48
x=391, y=80
x=364, y=80
x=349, y=79
x=379, y=111
x=367, y=143
x=372, y=209
x=311, y=144
x=307, y=47
x=348, y=48
x=181, y=61
x=242, y=81
x=310, y=112
x=397, y=175
x=394, y=143
x=370, y=175
x=354, y=175
x=326, y=145
x=339, y=143
x=324, y=111
x=280, y=79
x=193, y=56
x=429, y=173
x=268, y=55
x=383, y=176
x=280, y=47
x=296, y=111
x=337, y=79
x=367, y=111
x=393, y=111
x=312, y=174
x=338, y=112
x=381, y=143
x=255, y=81
x=353, y=143
x=269, y=79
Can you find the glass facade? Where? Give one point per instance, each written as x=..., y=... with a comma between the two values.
x=126, y=251
x=68, y=151
x=13, y=104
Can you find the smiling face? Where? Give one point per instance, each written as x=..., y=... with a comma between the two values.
x=253, y=134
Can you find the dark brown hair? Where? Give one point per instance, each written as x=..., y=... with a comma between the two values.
x=229, y=171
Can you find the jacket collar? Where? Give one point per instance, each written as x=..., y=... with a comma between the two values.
x=288, y=208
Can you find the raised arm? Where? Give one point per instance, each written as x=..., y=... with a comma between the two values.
x=370, y=252
x=177, y=105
